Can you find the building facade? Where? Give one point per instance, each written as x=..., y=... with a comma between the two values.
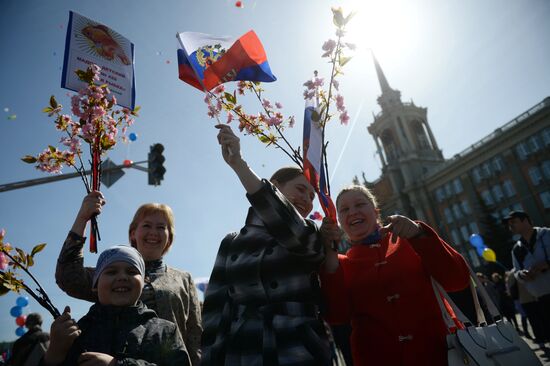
x=470, y=192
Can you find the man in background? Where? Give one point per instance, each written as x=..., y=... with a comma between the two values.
x=29, y=349
x=531, y=259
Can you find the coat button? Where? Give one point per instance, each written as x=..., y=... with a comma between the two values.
x=244, y=231
x=274, y=285
x=234, y=257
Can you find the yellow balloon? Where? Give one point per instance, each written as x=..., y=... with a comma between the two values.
x=489, y=255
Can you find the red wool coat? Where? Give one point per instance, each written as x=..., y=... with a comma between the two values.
x=385, y=291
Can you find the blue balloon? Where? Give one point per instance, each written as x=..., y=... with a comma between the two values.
x=22, y=301
x=132, y=136
x=476, y=240
x=20, y=331
x=16, y=311
x=480, y=250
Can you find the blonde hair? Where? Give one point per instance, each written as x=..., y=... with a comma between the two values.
x=151, y=209
x=361, y=189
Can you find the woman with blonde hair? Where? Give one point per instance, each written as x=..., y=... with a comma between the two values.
x=168, y=291
x=382, y=285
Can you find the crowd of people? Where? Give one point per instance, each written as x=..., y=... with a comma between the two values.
x=278, y=285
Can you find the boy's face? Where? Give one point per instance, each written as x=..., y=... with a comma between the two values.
x=119, y=284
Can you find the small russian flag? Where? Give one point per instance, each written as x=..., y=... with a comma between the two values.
x=313, y=160
x=205, y=61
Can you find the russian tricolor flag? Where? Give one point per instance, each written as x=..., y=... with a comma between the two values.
x=206, y=61
x=313, y=159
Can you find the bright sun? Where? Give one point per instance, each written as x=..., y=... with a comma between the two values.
x=387, y=27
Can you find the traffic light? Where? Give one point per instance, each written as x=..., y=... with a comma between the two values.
x=155, y=169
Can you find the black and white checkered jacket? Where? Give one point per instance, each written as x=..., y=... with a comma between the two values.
x=261, y=305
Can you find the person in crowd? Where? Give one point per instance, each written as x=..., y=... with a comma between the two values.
x=261, y=304
x=531, y=260
x=383, y=283
x=491, y=291
x=526, y=306
x=118, y=329
x=30, y=348
x=170, y=292
x=506, y=303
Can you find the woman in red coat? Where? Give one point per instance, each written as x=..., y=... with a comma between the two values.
x=382, y=285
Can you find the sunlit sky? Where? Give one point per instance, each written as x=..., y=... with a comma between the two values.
x=474, y=64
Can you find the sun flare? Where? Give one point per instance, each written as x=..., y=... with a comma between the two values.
x=388, y=27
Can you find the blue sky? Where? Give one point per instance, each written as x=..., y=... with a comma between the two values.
x=474, y=64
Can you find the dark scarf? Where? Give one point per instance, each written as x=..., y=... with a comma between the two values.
x=372, y=238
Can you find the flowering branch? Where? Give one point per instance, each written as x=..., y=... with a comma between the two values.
x=267, y=126
x=97, y=123
x=334, y=50
x=9, y=281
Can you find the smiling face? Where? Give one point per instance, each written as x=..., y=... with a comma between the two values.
x=299, y=192
x=151, y=237
x=357, y=214
x=119, y=284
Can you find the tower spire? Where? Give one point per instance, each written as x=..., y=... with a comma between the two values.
x=381, y=77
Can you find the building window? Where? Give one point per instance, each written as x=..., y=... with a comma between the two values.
x=498, y=164
x=509, y=188
x=448, y=215
x=476, y=174
x=456, y=211
x=466, y=207
x=497, y=193
x=448, y=190
x=546, y=136
x=517, y=207
x=457, y=185
x=473, y=227
x=465, y=233
x=473, y=258
x=456, y=237
x=534, y=144
x=521, y=150
x=545, y=198
x=440, y=194
x=487, y=198
x=505, y=211
x=486, y=170
x=534, y=174
x=546, y=169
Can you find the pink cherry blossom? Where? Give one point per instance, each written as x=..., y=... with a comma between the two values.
x=3, y=262
x=291, y=122
x=328, y=47
x=344, y=118
x=340, y=103
x=278, y=105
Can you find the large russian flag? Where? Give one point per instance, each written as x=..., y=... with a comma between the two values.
x=313, y=157
x=206, y=61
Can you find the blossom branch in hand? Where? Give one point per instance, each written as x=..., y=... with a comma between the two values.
x=96, y=122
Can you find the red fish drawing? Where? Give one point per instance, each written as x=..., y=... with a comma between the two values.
x=105, y=45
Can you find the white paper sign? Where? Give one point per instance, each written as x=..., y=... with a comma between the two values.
x=91, y=42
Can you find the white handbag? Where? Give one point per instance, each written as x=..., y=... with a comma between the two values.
x=483, y=345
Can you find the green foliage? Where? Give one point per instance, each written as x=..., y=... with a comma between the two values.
x=29, y=159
